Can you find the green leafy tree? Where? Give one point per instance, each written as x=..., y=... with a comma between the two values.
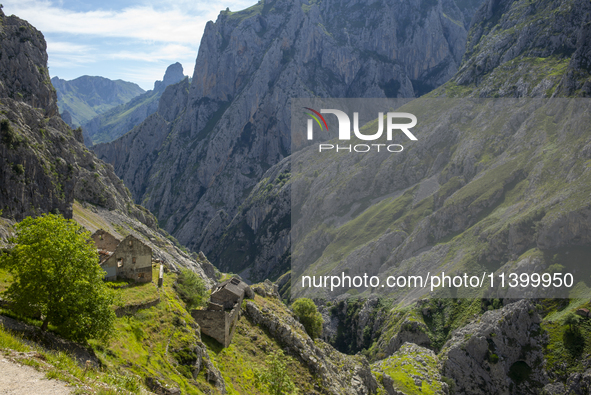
x=308, y=314
x=56, y=274
x=191, y=289
x=275, y=377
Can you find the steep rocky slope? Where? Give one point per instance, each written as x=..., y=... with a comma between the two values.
x=44, y=165
x=23, y=64
x=194, y=162
x=85, y=97
x=117, y=121
x=528, y=67
x=527, y=49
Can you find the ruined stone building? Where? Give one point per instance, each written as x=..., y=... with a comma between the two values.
x=219, y=319
x=127, y=259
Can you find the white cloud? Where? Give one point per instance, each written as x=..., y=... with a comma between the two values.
x=167, y=52
x=67, y=54
x=144, y=23
x=182, y=22
x=67, y=47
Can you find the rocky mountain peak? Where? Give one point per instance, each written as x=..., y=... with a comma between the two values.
x=23, y=61
x=231, y=124
x=173, y=74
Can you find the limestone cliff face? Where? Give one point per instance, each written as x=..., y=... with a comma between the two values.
x=44, y=164
x=173, y=74
x=194, y=171
x=481, y=356
x=23, y=64
x=119, y=120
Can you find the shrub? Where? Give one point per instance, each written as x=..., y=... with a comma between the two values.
x=9, y=137
x=191, y=289
x=572, y=320
x=275, y=377
x=308, y=314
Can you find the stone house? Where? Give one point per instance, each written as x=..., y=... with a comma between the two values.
x=219, y=319
x=128, y=259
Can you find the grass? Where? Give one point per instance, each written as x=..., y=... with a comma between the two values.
x=565, y=349
x=405, y=365
x=250, y=346
x=139, y=293
x=60, y=366
x=147, y=341
x=90, y=220
x=141, y=344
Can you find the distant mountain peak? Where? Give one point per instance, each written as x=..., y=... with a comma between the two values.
x=173, y=74
x=87, y=96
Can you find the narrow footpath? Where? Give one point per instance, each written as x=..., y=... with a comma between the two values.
x=18, y=379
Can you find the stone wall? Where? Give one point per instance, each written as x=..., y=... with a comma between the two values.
x=212, y=323
x=131, y=309
x=132, y=260
x=104, y=240
x=219, y=325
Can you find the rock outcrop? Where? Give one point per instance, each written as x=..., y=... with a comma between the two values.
x=499, y=354
x=338, y=373
x=412, y=369
x=23, y=63
x=510, y=53
x=44, y=165
x=173, y=74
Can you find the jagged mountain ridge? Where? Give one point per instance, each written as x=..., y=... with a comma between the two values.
x=87, y=96
x=194, y=161
x=117, y=121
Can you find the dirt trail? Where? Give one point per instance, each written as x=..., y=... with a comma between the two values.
x=18, y=379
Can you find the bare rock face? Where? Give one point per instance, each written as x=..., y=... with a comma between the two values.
x=173, y=74
x=23, y=64
x=198, y=168
x=410, y=332
x=44, y=166
x=499, y=354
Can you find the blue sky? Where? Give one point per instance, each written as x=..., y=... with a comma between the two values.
x=129, y=40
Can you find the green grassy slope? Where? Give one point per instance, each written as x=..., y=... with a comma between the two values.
x=159, y=342
x=115, y=122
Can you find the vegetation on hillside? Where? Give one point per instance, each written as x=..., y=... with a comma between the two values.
x=191, y=289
